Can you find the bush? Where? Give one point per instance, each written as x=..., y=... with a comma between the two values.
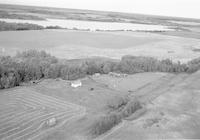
x=193, y=65
x=133, y=64
x=130, y=108
x=105, y=123
x=53, y=27
x=117, y=103
x=4, y=26
x=119, y=109
x=124, y=106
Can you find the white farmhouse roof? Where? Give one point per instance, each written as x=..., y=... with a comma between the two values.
x=76, y=83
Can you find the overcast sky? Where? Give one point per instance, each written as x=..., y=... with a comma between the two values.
x=181, y=8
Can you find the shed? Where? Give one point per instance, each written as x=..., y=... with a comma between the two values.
x=76, y=83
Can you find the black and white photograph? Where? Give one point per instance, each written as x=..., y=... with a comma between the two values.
x=99, y=69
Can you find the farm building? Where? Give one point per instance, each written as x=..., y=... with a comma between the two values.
x=97, y=74
x=76, y=83
x=117, y=75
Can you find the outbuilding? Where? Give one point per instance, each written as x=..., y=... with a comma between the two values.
x=76, y=83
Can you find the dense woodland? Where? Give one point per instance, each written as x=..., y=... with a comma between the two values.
x=35, y=65
x=4, y=26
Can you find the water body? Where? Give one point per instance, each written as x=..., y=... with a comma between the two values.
x=91, y=25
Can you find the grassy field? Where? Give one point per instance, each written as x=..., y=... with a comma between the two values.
x=81, y=44
x=34, y=105
x=171, y=107
x=171, y=103
x=172, y=111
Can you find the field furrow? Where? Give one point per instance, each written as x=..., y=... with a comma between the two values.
x=18, y=120
x=43, y=103
x=53, y=99
x=10, y=114
x=78, y=114
x=31, y=125
x=41, y=126
x=29, y=117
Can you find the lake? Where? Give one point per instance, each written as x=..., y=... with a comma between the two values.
x=91, y=25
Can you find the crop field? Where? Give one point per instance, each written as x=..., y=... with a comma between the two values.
x=25, y=114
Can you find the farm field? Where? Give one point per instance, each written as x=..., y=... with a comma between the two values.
x=171, y=105
x=81, y=44
x=25, y=110
x=112, y=106
x=25, y=113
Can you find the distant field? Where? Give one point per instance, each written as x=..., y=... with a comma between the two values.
x=42, y=13
x=81, y=44
x=48, y=39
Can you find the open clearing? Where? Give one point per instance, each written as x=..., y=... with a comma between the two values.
x=81, y=44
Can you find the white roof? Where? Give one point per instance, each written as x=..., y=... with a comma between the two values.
x=76, y=83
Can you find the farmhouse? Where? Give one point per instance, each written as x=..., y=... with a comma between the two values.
x=76, y=83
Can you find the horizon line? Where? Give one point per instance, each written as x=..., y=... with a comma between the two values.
x=155, y=15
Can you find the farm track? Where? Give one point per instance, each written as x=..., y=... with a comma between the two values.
x=163, y=87
x=27, y=120
x=152, y=90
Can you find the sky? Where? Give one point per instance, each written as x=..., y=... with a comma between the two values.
x=178, y=8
